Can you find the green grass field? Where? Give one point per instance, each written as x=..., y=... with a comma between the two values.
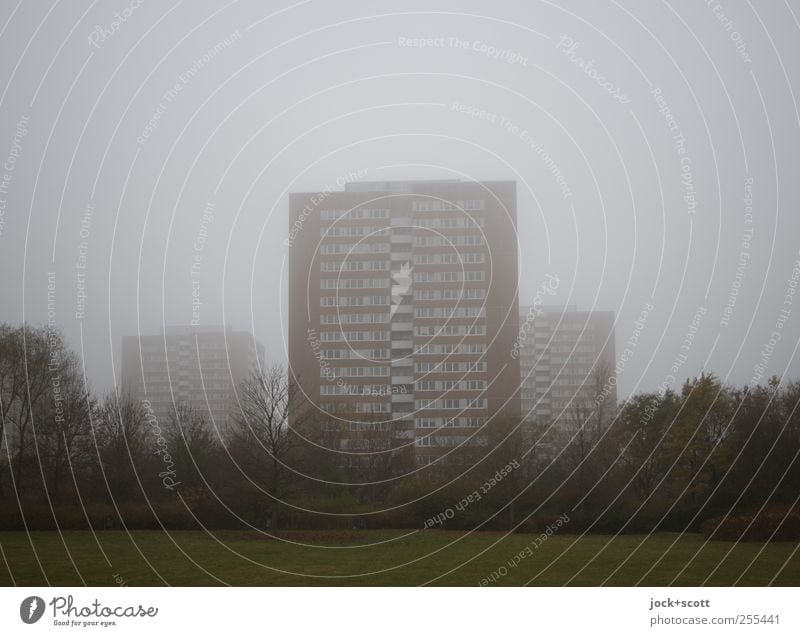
x=385, y=558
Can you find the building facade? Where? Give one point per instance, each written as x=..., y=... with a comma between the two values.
x=567, y=365
x=403, y=306
x=195, y=366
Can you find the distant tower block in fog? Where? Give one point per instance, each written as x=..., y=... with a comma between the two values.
x=403, y=305
x=198, y=366
x=566, y=361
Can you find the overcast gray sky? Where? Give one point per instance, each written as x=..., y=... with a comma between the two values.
x=637, y=133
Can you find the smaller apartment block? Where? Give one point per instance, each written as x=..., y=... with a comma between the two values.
x=196, y=366
x=566, y=361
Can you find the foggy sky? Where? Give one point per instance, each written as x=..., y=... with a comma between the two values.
x=120, y=138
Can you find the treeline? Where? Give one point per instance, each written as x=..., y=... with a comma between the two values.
x=709, y=457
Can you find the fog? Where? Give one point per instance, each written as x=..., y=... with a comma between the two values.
x=655, y=146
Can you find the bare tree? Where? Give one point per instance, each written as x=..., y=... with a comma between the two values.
x=120, y=435
x=31, y=358
x=377, y=455
x=269, y=403
x=193, y=448
x=508, y=457
x=62, y=431
x=12, y=384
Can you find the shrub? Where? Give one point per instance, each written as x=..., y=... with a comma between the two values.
x=774, y=523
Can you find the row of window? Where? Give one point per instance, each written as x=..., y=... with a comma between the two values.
x=450, y=367
x=354, y=372
x=565, y=326
x=449, y=258
x=567, y=371
x=450, y=223
x=451, y=403
x=451, y=330
x=572, y=359
x=177, y=376
x=354, y=248
x=164, y=400
x=352, y=336
x=354, y=354
x=353, y=301
x=564, y=393
x=449, y=422
x=353, y=319
x=438, y=241
x=361, y=213
x=449, y=441
x=449, y=277
x=531, y=361
x=352, y=230
x=448, y=348
x=450, y=385
x=568, y=349
x=471, y=293
x=358, y=407
x=354, y=266
x=356, y=389
x=448, y=312
x=569, y=337
x=436, y=205
x=353, y=283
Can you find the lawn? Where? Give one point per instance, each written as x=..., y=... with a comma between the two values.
x=372, y=557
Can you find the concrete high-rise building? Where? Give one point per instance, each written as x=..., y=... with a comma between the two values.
x=403, y=306
x=196, y=366
x=567, y=363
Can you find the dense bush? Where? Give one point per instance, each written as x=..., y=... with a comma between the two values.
x=773, y=523
x=673, y=460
